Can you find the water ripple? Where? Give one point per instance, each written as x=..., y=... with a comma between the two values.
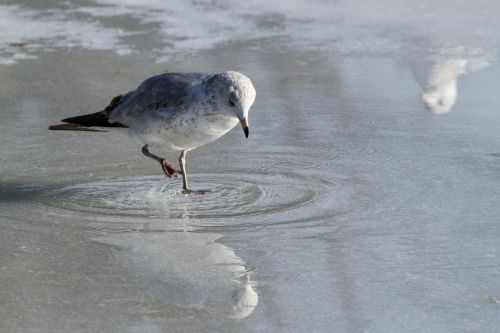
x=234, y=194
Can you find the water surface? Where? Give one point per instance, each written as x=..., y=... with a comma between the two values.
x=365, y=199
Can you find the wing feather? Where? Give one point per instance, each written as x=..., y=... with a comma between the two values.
x=167, y=91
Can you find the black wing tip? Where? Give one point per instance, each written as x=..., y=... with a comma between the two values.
x=72, y=127
x=98, y=119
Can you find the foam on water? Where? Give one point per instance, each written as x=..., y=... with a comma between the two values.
x=345, y=28
x=361, y=27
x=24, y=32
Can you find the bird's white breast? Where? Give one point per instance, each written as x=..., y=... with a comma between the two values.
x=186, y=131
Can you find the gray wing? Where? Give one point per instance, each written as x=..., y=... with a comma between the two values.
x=166, y=91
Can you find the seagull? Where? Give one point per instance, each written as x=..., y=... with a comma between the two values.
x=178, y=111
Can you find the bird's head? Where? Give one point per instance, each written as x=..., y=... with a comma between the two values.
x=235, y=95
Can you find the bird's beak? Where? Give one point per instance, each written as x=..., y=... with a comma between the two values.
x=244, y=124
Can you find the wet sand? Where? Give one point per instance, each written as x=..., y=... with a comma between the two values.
x=351, y=207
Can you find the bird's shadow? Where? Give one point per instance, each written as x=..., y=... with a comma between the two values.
x=17, y=191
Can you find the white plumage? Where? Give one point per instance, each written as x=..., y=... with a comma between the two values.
x=179, y=111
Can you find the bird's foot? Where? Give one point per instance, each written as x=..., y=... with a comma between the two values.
x=168, y=169
x=188, y=191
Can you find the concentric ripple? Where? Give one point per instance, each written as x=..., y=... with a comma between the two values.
x=233, y=194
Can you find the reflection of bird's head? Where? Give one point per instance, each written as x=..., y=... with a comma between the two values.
x=234, y=94
x=442, y=73
x=244, y=299
x=441, y=90
x=438, y=73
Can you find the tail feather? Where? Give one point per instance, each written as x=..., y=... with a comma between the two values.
x=97, y=119
x=72, y=127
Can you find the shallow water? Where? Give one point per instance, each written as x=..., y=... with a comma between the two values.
x=353, y=206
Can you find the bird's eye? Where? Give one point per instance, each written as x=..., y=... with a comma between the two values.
x=231, y=104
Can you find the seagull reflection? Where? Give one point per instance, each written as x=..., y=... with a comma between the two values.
x=187, y=269
x=244, y=299
x=438, y=76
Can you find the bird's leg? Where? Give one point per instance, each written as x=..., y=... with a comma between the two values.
x=167, y=168
x=182, y=164
x=185, y=188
